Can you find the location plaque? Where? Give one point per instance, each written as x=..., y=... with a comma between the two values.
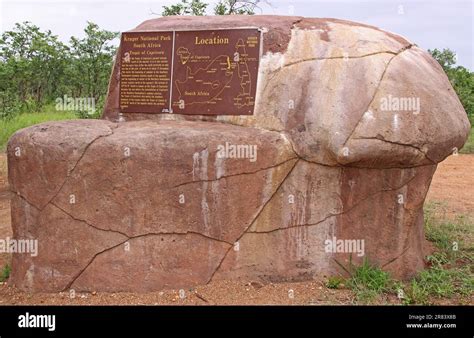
x=202, y=72
x=215, y=71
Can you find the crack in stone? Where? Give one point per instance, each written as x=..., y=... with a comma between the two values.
x=339, y=57
x=188, y=232
x=132, y=238
x=253, y=221
x=363, y=167
x=296, y=225
x=340, y=213
x=238, y=174
x=77, y=163
x=88, y=223
x=271, y=74
x=145, y=234
x=127, y=237
x=380, y=138
x=338, y=165
x=377, y=89
x=26, y=200
x=397, y=257
x=296, y=22
x=68, y=286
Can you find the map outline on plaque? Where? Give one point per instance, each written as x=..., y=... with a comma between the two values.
x=205, y=72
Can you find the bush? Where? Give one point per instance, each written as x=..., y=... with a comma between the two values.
x=5, y=273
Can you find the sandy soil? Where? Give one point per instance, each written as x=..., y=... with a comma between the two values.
x=452, y=186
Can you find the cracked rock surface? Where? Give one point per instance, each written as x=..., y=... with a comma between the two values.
x=146, y=200
x=147, y=204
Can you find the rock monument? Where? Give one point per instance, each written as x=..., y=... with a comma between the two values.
x=237, y=147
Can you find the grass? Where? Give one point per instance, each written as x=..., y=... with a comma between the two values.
x=10, y=126
x=3, y=169
x=450, y=272
x=452, y=237
x=439, y=282
x=451, y=266
x=469, y=145
x=335, y=282
x=5, y=273
x=368, y=282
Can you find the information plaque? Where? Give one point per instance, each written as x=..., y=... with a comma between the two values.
x=204, y=72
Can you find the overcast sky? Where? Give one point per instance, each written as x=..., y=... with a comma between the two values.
x=430, y=24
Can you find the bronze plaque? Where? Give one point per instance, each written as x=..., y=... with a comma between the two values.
x=205, y=72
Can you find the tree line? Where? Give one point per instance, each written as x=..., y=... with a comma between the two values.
x=36, y=68
x=461, y=78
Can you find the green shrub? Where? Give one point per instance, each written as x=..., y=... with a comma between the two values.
x=5, y=273
x=334, y=282
x=369, y=277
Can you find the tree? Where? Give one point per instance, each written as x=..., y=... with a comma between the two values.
x=446, y=58
x=460, y=77
x=229, y=7
x=31, y=61
x=195, y=7
x=91, y=61
x=223, y=7
x=36, y=68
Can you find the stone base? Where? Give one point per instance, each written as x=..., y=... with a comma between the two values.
x=143, y=206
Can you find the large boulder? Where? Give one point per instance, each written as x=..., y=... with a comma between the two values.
x=349, y=124
x=325, y=82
